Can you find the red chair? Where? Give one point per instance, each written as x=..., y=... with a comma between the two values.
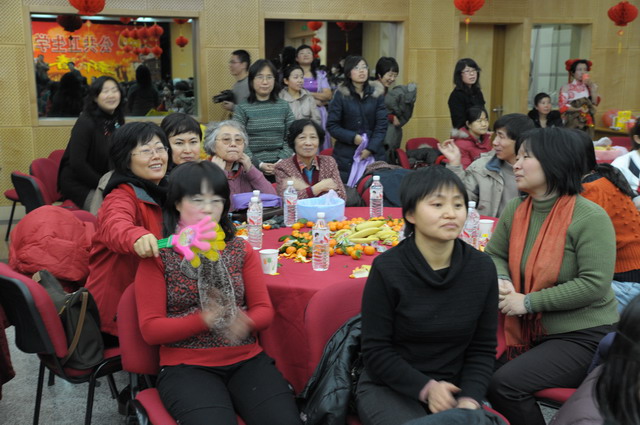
x=33, y=192
x=624, y=141
x=11, y=195
x=403, y=158
x=420, y=142
x=56, y=157
x=139, y=358
x=328, y=152
x=363, y=189
x=38, y=329
x=47, y=171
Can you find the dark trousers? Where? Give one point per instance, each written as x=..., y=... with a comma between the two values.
x=254, y=389
x=559, y=360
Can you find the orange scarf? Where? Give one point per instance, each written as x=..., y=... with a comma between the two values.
x=542, y=268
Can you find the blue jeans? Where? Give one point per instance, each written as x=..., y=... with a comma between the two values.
x=625, y=292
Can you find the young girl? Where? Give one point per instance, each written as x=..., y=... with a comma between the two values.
x=428, y=311
x=302, y=104
x=205, y=319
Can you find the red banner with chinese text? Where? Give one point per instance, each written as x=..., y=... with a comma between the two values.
x=95, y=49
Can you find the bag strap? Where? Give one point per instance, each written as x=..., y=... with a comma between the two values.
x=79, y=326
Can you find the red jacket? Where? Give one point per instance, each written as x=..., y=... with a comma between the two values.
x=470, y=147
x=122, y=219
x=51, y=238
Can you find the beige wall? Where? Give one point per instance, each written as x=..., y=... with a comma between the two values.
x=431, y=34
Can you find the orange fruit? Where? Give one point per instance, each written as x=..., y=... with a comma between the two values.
x=357, y=247
x=331, y=252
x=339, y=225
x=369, y=250
x=307, y=236
x=290, y=250
x=394, y=243
x=332, y=226
x=349, y=250
x=332, y=242
x=302, y=252
x=296, y=226
x=339, y=251
x=356, y=254
x=310, y=243
x=309, y=223
x=266, y=226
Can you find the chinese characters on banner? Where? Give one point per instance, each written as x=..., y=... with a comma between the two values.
x=95, y=49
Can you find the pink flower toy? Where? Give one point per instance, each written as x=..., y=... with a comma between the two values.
x=204, y=237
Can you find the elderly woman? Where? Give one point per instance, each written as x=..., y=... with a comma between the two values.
x=130, y=218
x=226, y=144
x=555, y=253
x=312, y=174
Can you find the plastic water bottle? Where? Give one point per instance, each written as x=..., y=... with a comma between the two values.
x=290, y=204
x=471, y=226
x=254, y=223
x=256, y=193
x=320, y=259
x=376, y=197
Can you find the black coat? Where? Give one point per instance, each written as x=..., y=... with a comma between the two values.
x=461, y=100
x=554, y=119
x=325, y=399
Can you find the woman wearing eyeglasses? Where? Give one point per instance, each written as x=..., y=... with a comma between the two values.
x=467, y=93
x=130, y=218
x=266, y=118
x=474, y=138
x=357, y=109
x=226, y=144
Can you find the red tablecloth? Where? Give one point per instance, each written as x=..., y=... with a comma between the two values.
x=290, y=291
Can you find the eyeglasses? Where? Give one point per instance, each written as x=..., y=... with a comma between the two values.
x=201, y=202
x=469, y=71
x=149, y=153
x=361, y=68
x=264, y=77
x=228, y=139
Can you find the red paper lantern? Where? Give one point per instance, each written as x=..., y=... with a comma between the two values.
x=623, y=13
x=137, y=50
x=157, y=51
x=146, y=51
x=70, y=23
x=143, y=33
x=182, y=41
x=347, y=26
x=125, y=20
x=468, y=7
x=180, y=20
x=126, y=33
x=128, y=48
x=314, y=25
x=155, y=31
x=133, y=33
x=315, y=40
x=315, y=48
x=88, y=7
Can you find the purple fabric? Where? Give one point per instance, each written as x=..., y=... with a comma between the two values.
x=241, y=200
x=359, y=165
x=316, y=85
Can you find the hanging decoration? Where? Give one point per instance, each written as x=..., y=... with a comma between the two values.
x=622, y=14
x=128, y=48
x=157, y=51
x=314, y=25
x=70, y=23
x=346, y=27
x=180, y=20
x=88, y=7
x=315, y=48
x=155, y=31
x=142, y=33
x=468, y=7
x=182, y=41
x=125, y=20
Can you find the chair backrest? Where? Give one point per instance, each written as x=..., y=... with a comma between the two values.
x=137, y=356
x=327, y=310
x=47, y=171
x=624, y=141
x=56, y=157
x=30, y=309
x=328, y=152
x=30, y=191
x=403, y=158
x=363, y=189
x=417, y=142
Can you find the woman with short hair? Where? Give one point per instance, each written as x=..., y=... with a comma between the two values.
x=474, y=138
x=542, y=114
x=185, y=136
x=555, y=253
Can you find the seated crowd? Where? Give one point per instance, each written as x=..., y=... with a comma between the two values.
x=562, y=264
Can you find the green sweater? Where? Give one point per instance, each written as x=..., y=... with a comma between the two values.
x=583, y=297
x=267, y=124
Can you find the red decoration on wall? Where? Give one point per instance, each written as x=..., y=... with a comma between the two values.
x=146, y=51
x=182, y=41
x=126, y=33
x=143, y=33
x=622, y=14
x=155, y=31
x=315, y=48
x=180, y=20
x=133, y=33
x=88, y=7
x=125, y=20
x=70, y=23
x=346, y=27
x=157, y=51
x=128, y=48
x=314, y=25
x=137, y=50
x=468, y=7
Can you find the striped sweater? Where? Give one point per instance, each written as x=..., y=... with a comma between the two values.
x=267, y=124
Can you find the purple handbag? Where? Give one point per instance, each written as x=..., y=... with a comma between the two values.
x=240, y=201
x=359, y=165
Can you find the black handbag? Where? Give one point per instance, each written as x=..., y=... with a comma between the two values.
x=80, y=320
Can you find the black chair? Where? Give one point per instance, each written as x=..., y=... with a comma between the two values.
x=38, y=329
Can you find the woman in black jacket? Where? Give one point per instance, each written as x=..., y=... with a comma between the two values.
x=542, y=114
x=357, y=109
x=467, y=93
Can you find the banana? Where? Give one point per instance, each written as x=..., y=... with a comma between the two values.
x=368, y=239
x=369, y=224
x=342, y=231
x=364, y=232
x=383, y=234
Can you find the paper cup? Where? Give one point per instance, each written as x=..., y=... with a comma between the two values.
x=269, y=260
x=486, y=227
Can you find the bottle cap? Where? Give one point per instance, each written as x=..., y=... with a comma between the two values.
x=289, y=182
x=472, y=204
x=254, y=199
x=376, y=178
x=256, y=193
x=320, y=214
